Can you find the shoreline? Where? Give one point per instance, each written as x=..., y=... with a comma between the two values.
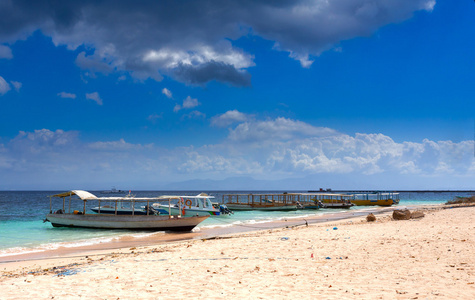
x=130, y=240
x=429, y=257
x=9, y=262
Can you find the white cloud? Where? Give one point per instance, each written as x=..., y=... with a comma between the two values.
x=194, y=115
x=28, y=144
x=228, y=118
x=154, y=117
x=279, y=129
x=5, y=52
x=429, y=5
x=187, y=103
x=176, y=108
x=17, y=85
x=95, y=97
x=190, y=102
x=4, y=86
x=45, y=156
x=119, y=145
x=177, y=39
x=67, y=95
x=167, y=93
x=169, y=58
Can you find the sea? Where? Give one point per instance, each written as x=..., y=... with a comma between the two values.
x=23, y=231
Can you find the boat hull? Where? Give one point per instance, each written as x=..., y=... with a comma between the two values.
x=337, y=205
x=189, y=212
x=312, y=206
x=387, y=202
x=107, y=221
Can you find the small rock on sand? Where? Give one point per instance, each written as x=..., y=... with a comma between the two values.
x=403, y=214
x=370, y=218
x=417, y=215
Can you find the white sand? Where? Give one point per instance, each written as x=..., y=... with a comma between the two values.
x=428, y=258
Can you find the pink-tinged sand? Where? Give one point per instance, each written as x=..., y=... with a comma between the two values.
x=428, y=258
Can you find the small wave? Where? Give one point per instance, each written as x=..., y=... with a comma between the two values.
x=215, y=226
x=19, y=251
x=53, y=246
x=144, y=234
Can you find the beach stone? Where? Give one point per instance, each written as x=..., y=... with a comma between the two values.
x=417, y=215
x=370, y=218
x=403, y=214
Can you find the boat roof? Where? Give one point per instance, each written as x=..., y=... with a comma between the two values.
x=84, y=195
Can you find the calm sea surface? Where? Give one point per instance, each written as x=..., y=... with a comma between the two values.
x=22, y=229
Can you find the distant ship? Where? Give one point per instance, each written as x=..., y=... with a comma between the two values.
x=113, y=190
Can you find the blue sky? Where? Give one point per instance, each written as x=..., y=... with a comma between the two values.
x=237, y=94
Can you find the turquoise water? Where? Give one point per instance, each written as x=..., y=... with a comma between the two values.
x=22, y=229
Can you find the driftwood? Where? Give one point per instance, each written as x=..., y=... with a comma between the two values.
x=401, y=214
x=370, y=218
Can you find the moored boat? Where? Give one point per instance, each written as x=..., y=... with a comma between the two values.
x=331, y=200
x=376, y=198
x=77, y=216
x=113, y=190
x=269, y=202
x=199, y=205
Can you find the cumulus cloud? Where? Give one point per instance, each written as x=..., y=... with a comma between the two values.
x=192, y=41
x=176, y=108
x=67, y=95
x=190, y=102
x=278, y=129
x=119, y=145
x=102, y=63
x=94, y=97
x=5, y=52
x=187, y=103
x=35, y=144
x=228, y=118
x=4, y=86
x=167, y=93
x=302, y=150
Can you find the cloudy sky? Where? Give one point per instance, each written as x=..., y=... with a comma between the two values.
x=221, y=94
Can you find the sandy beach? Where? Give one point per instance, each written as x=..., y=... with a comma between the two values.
x=425, y=258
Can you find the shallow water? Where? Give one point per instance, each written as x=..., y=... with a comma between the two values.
x=22, y=229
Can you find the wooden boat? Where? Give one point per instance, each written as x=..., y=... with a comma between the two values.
x=376, y=198
x=331, y=200
x=199, y=205
x=269, y=202
x=71, y=217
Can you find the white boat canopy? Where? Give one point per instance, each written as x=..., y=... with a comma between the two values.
x=80, y=193
x=84, y=195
